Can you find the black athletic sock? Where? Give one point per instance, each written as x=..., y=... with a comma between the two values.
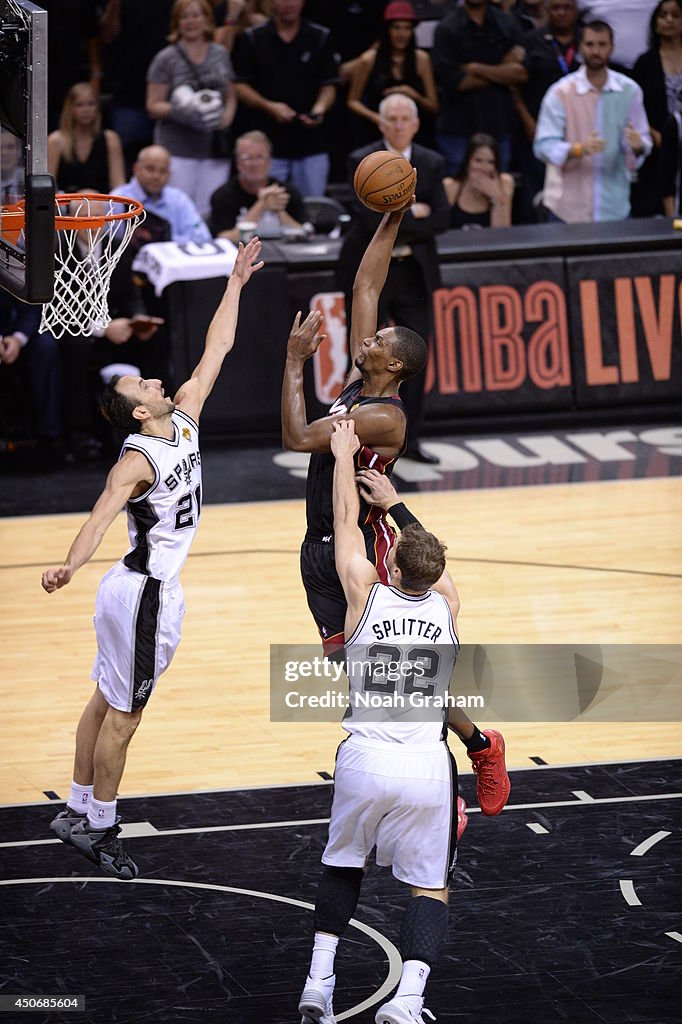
x=477, y=741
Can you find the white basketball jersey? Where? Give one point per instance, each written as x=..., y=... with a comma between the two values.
x=162, y=522
x=400, y=660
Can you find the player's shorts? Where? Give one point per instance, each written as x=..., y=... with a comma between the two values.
x=401, y=798
x=323, y=589
x=137, y=623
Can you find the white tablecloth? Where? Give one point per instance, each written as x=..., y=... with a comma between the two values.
x=167, y=262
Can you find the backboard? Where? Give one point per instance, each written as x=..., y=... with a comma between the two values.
x=26, y=259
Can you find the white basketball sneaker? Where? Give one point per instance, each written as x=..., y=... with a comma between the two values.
x=316, y=1001
x=398, y=1011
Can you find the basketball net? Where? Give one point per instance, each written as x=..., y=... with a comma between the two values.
x=17, y=11
x=90, y=241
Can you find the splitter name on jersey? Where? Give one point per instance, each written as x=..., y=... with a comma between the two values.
x=404, y=627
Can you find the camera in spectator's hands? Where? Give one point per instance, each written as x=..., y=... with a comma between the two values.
x=198, y=108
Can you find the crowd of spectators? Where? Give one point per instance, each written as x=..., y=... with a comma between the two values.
x=195, y=75
x=216, y=113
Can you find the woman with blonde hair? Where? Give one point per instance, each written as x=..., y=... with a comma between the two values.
x=80, y=154
x=191, y=98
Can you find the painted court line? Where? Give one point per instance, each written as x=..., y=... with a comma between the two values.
x=539, y=830
x=644, y=847
x=628, y=890
x=305, y=784
x=147, y=829
x=390, y=951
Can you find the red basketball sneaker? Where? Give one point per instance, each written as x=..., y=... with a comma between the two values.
x=493, y=786
x=462, y=817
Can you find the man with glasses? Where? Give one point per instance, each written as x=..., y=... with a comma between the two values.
x=253, y=193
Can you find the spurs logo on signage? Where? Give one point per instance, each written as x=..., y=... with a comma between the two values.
x=492, y=461
x=330, y=362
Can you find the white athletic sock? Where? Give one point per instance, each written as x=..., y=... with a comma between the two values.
x=79, y=798
x=324, y=951
x=413, y=982
x=101, y=813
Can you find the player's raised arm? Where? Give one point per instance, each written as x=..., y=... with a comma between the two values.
x=221, y=332
x=130, y=471
x=382, y=427
x=356, y=572
x=305, y=337
x=370, y=278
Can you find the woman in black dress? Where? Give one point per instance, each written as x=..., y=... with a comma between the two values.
x=80, y=155
x=659, y=74
x=396, y=65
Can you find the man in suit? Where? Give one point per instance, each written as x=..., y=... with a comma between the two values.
x=413, y=273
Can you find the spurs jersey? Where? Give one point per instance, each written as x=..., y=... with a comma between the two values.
x=399, y=661
x=162, y=522
x=319, y=485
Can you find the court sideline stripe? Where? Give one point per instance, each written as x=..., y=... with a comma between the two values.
x=474, y=561
x=150, y=831
x=325, y=782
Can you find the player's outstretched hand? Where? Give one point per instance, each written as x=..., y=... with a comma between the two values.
x=304, y=338
x=344, y=440
x=247, y=255
x=376, y=488
x=54, y=579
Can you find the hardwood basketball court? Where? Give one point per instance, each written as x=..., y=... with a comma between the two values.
x=590, y=563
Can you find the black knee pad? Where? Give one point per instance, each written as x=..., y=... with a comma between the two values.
x=337, y=898
x=423, y=930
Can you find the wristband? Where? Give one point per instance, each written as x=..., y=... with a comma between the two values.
x=577, y=149
x=402, y=517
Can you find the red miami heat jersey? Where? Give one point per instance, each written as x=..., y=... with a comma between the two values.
x=319, y=485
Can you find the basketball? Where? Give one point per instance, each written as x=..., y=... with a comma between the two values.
x=384, y=181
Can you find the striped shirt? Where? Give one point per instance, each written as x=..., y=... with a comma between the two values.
x=591, y=188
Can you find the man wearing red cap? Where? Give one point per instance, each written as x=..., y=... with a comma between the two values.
x=400, y=10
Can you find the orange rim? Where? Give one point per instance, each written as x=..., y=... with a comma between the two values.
x=13, y=214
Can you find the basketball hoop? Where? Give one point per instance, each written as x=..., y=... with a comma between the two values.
x=91, y=232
